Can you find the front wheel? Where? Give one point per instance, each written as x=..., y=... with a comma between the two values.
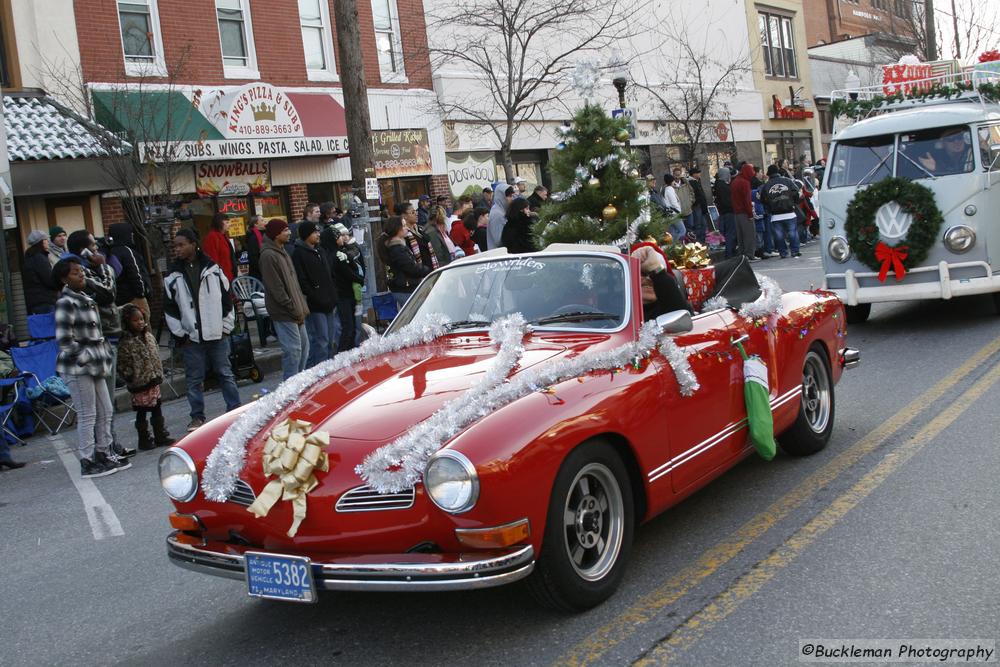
x=811, y=430
x=858, y=314
x=588, y=532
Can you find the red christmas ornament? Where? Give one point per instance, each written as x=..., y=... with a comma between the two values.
x=989, y=56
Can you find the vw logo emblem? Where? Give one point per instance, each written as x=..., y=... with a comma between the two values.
x=892, y=221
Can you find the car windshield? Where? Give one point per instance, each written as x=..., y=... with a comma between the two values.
x=558, y=291
x=941, y=151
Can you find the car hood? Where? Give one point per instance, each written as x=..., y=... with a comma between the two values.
x=381, y=399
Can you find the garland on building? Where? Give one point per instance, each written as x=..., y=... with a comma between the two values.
x=856, y=108
x=863, y=233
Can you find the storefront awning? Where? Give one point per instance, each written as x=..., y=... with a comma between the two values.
x=253, y=121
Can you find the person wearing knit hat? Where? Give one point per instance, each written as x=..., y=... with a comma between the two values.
x=316, y=280
x=283, y=298
x=307, y=229
x=57, y=244
x=40, y=290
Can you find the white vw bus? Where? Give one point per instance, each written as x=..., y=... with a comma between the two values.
x=950, y=146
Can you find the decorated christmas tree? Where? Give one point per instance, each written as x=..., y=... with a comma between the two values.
x=600, y=196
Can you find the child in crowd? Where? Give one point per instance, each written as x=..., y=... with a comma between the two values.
x=139, y=366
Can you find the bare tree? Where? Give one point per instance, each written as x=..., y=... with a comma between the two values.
x=692, y=82
x=518, y=55
x=972, y=26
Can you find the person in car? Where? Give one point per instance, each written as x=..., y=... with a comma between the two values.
x=660, y=292
x=952, y=154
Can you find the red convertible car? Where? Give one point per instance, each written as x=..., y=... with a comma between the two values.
x=518, y=420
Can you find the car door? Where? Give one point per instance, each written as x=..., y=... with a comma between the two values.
x=703, y=430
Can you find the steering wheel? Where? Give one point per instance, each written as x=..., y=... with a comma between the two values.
x=575, y=308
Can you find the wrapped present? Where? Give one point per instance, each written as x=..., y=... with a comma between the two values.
x=699, y=284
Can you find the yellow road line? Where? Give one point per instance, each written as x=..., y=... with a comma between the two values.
x=591, y=650
x=729, y=600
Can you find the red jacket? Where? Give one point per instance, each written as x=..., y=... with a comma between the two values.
x=217, y=247
x=740, y=190
x=461, y=237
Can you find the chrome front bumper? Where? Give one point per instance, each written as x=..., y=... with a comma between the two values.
x=849, y=357
x=391, y=572
x=944, y=287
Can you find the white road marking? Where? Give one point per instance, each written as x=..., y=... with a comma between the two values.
x=103, y=520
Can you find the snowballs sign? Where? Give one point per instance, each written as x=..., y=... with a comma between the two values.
x=236, y=178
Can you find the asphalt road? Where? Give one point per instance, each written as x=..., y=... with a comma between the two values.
x=890, y=533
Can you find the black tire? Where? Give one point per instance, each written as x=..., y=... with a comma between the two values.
x=812, y=428
x=255, y=374
x=573, y=572
x=858, y=314
x=996, y=301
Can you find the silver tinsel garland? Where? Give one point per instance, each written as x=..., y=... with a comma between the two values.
x=767, y=303
x=228, y=457
x=715, y=303
x=400, y=464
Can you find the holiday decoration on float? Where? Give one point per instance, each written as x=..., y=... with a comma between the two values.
x=895, y=210
x=598, y=196
x=292, y=453
x=756, y=394
x=857, y=108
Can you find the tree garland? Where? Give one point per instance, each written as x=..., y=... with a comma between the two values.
x=863, y=234
x=856, y=108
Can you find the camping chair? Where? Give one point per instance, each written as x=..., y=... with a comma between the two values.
x=37, y=361
x=42, y=326
x=249, y=293
x=17, y=421
x=385, y=310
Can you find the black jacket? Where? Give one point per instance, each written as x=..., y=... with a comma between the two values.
x=40, y=292
x=700, y=201
x=779, y=195
x=252, y=246
x=133, y=283
x=479, y=236
x=535, y=202
x=405, y=273
x=517, y=235
x=723, y=196
x=314, y=276
x=343, y=265
x=669, y=296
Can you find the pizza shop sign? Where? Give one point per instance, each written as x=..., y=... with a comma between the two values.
x=262, y=110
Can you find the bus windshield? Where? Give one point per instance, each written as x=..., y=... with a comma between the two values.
x=860, y=161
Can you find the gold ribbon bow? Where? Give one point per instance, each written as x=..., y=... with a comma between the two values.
x=291, y=455
x=693, y=256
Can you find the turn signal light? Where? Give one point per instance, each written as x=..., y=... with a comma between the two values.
x=191, y=540
x=186, y=522
x=492, y=538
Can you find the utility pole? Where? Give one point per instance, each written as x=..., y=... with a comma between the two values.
x=954, y=23
x=932, y=53
x=359, y=131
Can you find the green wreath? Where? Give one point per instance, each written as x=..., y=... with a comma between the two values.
x=915, y=199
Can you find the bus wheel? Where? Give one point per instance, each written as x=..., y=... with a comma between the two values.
x=859, y=313
x=996, y=301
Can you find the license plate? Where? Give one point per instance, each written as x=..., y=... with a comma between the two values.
x=279, y=577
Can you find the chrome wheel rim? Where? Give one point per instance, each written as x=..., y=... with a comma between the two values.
x=593, y=522
x=816, y=397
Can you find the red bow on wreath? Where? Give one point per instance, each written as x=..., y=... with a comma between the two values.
x=891, y=256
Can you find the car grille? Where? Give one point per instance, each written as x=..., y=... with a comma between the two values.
x=367, y=499
x=242, y=494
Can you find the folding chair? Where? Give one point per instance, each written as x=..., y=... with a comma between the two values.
x=249, y=293
x=42, y=326
x=385, y=310
x=37, y=361
x=17, y=421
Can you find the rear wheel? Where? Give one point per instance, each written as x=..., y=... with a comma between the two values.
x=859, y=313
x=811, y=430
x=588, y=532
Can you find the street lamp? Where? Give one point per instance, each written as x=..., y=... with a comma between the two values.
x=620, y=75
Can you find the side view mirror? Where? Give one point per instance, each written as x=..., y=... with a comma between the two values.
x=676, y=321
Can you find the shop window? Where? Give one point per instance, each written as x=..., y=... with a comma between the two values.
x=142, y=44
x=317, y=42
x=239, y=58
x=388, y=41
x=902, y=8
x=778, y=45
x=881, y=4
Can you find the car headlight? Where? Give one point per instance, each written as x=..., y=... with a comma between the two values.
x=178, y=476
x=959, y=238
x=451, y=482
x=839, y=249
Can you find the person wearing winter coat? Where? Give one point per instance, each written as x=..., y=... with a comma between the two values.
x=283, y=298
x=699, y=211
x=253, y=242
x=40, y=289
x=348, y=278
x=133, y=282
x=503, y=195
x=403, y=271
x=84, y=361
x=200, y=315
x=462, y=232
x=416, y=239
x=722, y=192
x=316, y=281
x=219, y=248
x=141, y=369
x=437, y=236
x=746, y=234
x=57, y=244
x=780, y=197
x=518, y=235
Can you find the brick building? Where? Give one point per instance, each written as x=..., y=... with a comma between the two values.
x=828, y=21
